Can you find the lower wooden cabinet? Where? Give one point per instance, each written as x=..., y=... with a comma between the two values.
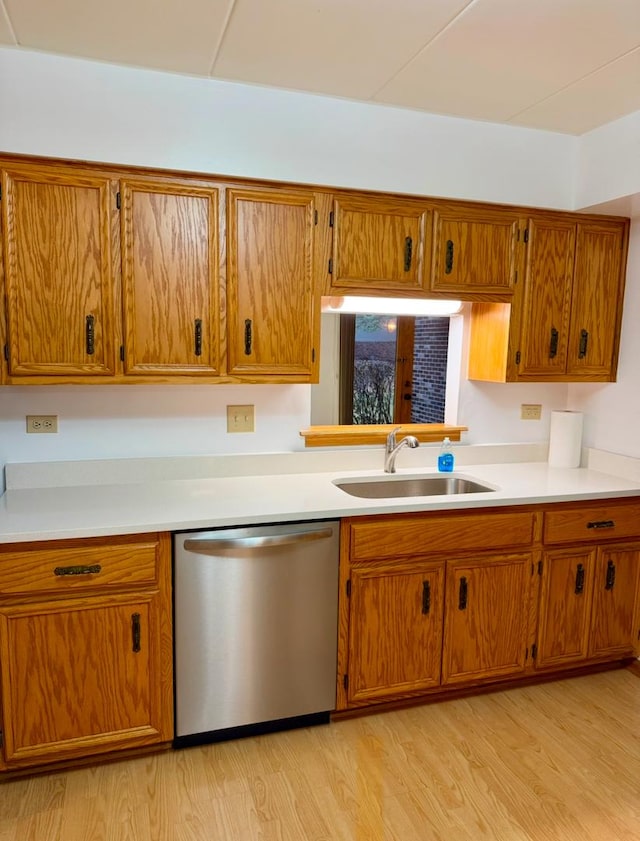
x=486, y=618
x=395, y=640
x=436, y=601
x=86, y=654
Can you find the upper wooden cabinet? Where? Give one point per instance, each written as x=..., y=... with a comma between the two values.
x=170, y=278
x=379, y=245
x=57, y=225
x=273, y=317
x=564, y=322
x=475, y=251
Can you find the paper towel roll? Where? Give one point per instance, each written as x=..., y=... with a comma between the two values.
x=565, y=439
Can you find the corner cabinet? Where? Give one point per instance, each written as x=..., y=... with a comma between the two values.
x=380, y=246
x=170, y=278
x=564, y=322
x=85, y=648
x=273, y=317
x=58, y=224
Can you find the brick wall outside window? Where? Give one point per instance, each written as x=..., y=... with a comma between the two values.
x=429, y=369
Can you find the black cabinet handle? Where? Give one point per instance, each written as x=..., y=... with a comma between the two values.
x=611, y=575
x=135, y=632
x=426, y=597
x=408, y=249
x=553, y=343
x=601, y=524
x=197, y=336
x=94, y=569
x=584, y=340
x=448, y=260
x=90, y=334
x=463, y=593
x=579, y=580
x=247, y=337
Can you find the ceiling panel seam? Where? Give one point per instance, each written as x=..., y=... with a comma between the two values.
x=573, y=83
x=424, y=47
x=222, y=36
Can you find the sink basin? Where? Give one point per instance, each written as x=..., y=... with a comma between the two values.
x=384, y=487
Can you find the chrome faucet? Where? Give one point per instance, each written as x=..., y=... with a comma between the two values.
x=392, y=448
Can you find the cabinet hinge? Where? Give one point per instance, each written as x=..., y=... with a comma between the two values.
x=6, y=352
x=526, y=654
x=118, y=199
x=313, y=354
x=526, y=235
x=315, y=217
x=539, y=567
x=534, y=651
x=121, y=353
x=331, y=219
x=345, y=681
x=349, y=587
x=330, y=265
x=518, y=357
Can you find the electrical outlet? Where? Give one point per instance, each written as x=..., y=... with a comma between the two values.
x=241, y=418
x=42, y=423
x=530, y=411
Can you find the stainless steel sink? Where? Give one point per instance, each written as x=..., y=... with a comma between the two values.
x=417, y=486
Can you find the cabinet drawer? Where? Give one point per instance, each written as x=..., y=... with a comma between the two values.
x=69, y=565
x=603, y=522
x=398, y=536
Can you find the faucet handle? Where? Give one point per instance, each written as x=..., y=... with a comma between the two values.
x=391, y=438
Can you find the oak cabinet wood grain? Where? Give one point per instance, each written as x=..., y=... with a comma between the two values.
x=170, y=277
x=59, y=274
x=273, y=313
x=380, y=245
x=564, y=322
x=476, y=251
x=85, y=669
x=616, y=594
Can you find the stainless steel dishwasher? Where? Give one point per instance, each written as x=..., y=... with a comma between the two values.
x=255, y=625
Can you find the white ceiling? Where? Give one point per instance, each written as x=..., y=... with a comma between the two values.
x=561, y=65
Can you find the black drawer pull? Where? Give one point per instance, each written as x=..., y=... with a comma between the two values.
x=135, y=632
x=611, y=575
x=408, y=249
x=579, y=580
x=247, y=337
x=553, y=343
x=197, y=336
x=90, y=335
x=601, y=524
x=448, y=260
x=94, y=569
x=584, y=340
x=426, y=597
x=463, y=594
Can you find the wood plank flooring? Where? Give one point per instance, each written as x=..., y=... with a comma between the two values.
x=553, y=762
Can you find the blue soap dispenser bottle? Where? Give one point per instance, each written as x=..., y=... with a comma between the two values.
x=446, y=458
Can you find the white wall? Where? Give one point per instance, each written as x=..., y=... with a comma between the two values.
x=78, y=109
x=612, y=410
x=609, y=162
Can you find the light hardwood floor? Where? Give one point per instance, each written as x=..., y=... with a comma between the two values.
x=553, y=762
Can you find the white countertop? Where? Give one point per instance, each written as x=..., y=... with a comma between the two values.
x=45, y=513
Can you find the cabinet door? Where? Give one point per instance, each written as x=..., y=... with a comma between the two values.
x=272, y=317
x=615, y=595
x=565, y=607
x=395, y=630
x=547, y=298
x=58, y=271
x=475, y=251
x=80, y=677
x=596, y=301
x=170, y=278
x=378, y=245
x=486, y=609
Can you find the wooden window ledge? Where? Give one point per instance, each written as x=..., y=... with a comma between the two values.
x=343, y=436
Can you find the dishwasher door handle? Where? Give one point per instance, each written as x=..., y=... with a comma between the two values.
x=212, y=545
